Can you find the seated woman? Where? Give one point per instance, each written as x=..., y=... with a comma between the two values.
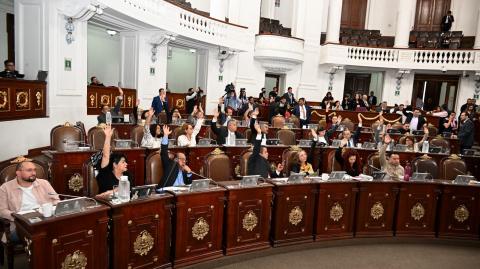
x=112, y=167
x=175, y=115
x=302, y=165
x=152, y=135
x=188, y=138
x=349, y=160
x=411, y=145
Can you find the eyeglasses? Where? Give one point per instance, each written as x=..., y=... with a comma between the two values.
x=30, y=170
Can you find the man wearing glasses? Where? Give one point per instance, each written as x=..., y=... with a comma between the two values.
x=10, y=71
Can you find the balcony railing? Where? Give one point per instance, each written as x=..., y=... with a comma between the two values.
x=182, y=21
x=400, y=58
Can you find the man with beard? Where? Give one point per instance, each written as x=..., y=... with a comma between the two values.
x=25, y=192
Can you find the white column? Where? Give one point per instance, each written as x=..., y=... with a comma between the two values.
x=267, y=9
x=218, y=9
x=298, y=18
x=402, y=34
x=334, y=20
x=234, y=11
x=477, y=34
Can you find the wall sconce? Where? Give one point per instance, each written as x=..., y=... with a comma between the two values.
x=157, y=41
x=331, y=76
x=223, y=55
x=83, y=14
x=476, y=78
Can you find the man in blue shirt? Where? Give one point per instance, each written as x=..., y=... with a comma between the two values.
x=175, y=171
x=160, y=102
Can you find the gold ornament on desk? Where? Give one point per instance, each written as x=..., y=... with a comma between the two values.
x=250, y=221
x=377, y=210
x=143, y=243
x=295, y=216
x=77, y=260
x=200, y=229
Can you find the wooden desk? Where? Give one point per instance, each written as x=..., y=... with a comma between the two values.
x=459, y=215
x=293, y=212
x=376, y=208
x=198, y=226
x=247, y=220
x=336, y=210
x=141, y=232
x=55, y=243
x=22, y=99
x=68, y=175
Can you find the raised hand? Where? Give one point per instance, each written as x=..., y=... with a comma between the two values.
x=359, y=118
x=215, y=113
x=314, y=133
x=166, y=130
x=120, y=91
x=387, y=139
x=138, y=102
x=339, y=119
x=257, y=128
x=255, y=112
x=108, y=131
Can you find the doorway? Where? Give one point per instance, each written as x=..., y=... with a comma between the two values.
x=272, y=80
x=357, y=83
x=430, y=91
x=353, y=14
x=429, y=14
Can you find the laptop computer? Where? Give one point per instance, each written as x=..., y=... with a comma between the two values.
x=418, y=132
x=368, y=145
x=313, y=126
x=434, y=149
x=420, y=176
x=123, y=143
x=463, y=179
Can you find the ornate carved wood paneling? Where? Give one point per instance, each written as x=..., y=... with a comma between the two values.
x=22, y=99
x=199, y=226
x=69, y=177
x=56, y=243
x=375, y=210
x=99, y=96
x=336, y=207
x=248, y=217
x=293, y=213
x=459, y=216
x=417, y=207
x=141, y=233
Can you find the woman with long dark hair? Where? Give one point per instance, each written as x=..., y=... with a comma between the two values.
x=349, y=160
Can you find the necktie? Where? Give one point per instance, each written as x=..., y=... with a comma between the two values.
x=303, y=112
x=349, y=144
x=232, y=139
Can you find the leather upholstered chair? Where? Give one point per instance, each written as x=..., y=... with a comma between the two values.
x=432, y=130
x=287, y=137
x=177, y=132
x=278, y=121
x=8, y=247
x=154, y=168
x=440, y=142
x=373, y=160
x=244, y=162
x=296, y=121
x=162, y=117
x=425, y=164
x=451, y=167
x=96, y=137
x=248, y=134
x=217, y=166
x=136, y=134
x=289, y=157
x=61, y=134
x=348, y=124
x=402, y=140
x=332, y=164
x=92, y=184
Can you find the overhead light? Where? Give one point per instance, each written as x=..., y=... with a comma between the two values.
x=111, y=32
x=192, y=50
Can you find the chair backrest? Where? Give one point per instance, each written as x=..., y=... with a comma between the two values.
x=96, y=137
x=244, y=162
x=217, y=166
x=373, y=160
x=287, y=137
x=332, y=164
x=348, y=124
x=177, y=132
x=248, y=134
x=289, y=156
x=402, y=140
x=296, y=121
x=8, y=172
x=323, y=123
x=162, y=117
x=425, y=164
x=154, y=168
x=451, y=167
x=278, y=121
x=433, y=131
x=64, y=133
x=92, y=183
x=440, y=142
x=137, y=134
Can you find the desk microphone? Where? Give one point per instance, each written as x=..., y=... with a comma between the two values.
x=73, y=196
x=211, y=180
x=376, y=169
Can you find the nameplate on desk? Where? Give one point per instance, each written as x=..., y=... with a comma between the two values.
x=200, y=185
x=204, y=142
x=378, y=175
x=123, y=143
x=463, y=179
x=69, y=206
x=400, y=147
x=434, y=149
x=273, y=142
x=337, y=176
x=368, y=145
x=313, y=126
x=142, y=192
x=336, y=143
x=248, y=181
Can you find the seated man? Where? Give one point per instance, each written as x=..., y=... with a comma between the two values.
x=258, y=162
x=10, y=71
x=25, y=192
x=225, y=114
x=348, y=139
x=322, y=136
x=225, y=135
x=175, y=172
x=102, y=118
x=391, y=166
x=95, y=82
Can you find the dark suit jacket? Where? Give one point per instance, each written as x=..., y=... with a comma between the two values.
x=159, y=106
x=290, y=101
x=308, y=112
x=222, y=133
x=466, y=133
x=14, y=74
x=102, y=118
x=254, y=131
x=421, y=120
x=170, y=170
x=257, y=165
x=372, y=99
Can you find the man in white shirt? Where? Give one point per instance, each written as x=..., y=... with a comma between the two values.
x=302, y=111
x=225, y=135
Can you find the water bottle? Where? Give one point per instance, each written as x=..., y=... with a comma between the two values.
x=108, y=118
x=415, y=147
x=425, y=146
x=124, y=189
x=407, y=172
